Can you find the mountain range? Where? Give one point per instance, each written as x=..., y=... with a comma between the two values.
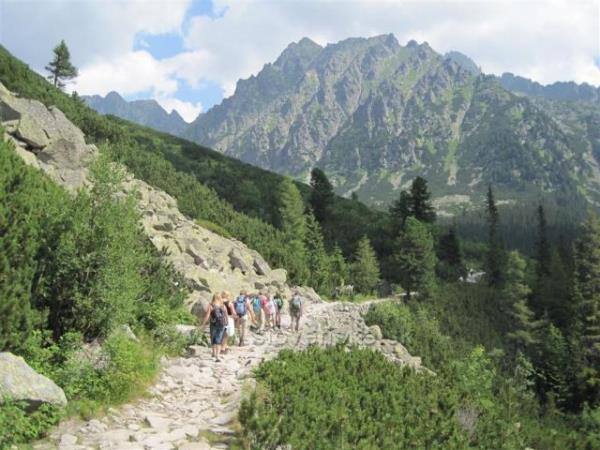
x=374, y=114
x=144, y=112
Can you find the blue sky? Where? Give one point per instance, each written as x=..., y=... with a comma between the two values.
x=189, y=54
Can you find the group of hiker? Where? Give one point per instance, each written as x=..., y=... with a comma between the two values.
x=259, y=311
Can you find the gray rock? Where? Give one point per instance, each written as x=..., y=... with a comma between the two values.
x=186, y=330
x=260, y=265
x=18, y=381
x=68, y=439
x=29, y=131
x=202, y=445
x=157, y=422
x=278, y=276
x=127, y=331
x=376, y=332
x=237, y=261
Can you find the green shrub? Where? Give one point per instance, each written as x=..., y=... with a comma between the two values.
x=211, y=226
x=334, y=399
x=18, y=426
x=415, y=329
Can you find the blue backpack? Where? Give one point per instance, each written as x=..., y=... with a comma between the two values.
x=240, y=306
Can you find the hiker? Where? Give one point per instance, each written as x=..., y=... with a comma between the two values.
x=296, y=309
x=243, y=310
x=231, y=315
x=217, y=314
x=278, y=299
x=256, y=307
x=264, y=304
x=272, y=308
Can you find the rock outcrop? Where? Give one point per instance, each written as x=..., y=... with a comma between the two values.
x=19, y=382
x=46, y=139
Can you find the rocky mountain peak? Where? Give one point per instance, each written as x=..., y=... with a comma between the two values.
x=374, y=114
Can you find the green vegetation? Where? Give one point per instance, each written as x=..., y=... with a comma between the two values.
x=73, y=270
x=325, y=399
x=516, y=358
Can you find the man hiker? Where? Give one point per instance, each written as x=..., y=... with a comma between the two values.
x=278, y=299
x=296, y=309
x=243, y=310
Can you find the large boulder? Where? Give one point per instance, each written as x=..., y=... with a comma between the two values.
x=260, y=265
x=20, y=382
x=237, y=261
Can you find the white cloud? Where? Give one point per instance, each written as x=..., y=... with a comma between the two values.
x=188, y=110
x=547, y=40
x=129, y=73
x=133, y=73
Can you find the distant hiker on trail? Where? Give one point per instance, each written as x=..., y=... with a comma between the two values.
x=231, y=315
x=217, y=314
x=265, y=303
x=243, y=311
x=296, y=310
x=264, y=310
x=258, y=315
x=278, y=299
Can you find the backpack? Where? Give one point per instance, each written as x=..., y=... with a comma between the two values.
x=240, y=306
x=256, y=304
x=295, y=304
x=279, y=303
x=217, y=316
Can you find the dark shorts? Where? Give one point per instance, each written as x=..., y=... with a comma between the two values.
x=217, y=332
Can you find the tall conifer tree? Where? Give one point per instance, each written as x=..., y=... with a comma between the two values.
x=365, y=269
x=587, y=296
x=422, y=209
x=495, y=250
x=60, y=67
x=321, y=196
x=415, y=258
x=317, y=258
x=293, y=225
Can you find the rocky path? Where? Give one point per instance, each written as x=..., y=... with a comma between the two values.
x=193, y=405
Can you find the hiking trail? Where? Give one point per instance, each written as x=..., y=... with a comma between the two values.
x=194, y=401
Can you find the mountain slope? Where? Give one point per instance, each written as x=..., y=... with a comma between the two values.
x=567, y=91
x=374, y=114
x=144, y=112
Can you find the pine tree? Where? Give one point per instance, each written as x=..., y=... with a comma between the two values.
x=321, y=196
x=523, y=326
x=422, y=208
x=542, y=245
x=365, y=269
x=399, y=211
x=293, y=225
x=415, y=259
x=27, y=203
x=587, y=296
x=415, y=203
x=60, y=67
x=450, y=265
x=317, y=258
x=495, y=250
x=339, y=268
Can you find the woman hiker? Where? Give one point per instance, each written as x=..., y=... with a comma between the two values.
x=231, y=316
x=217, y=315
